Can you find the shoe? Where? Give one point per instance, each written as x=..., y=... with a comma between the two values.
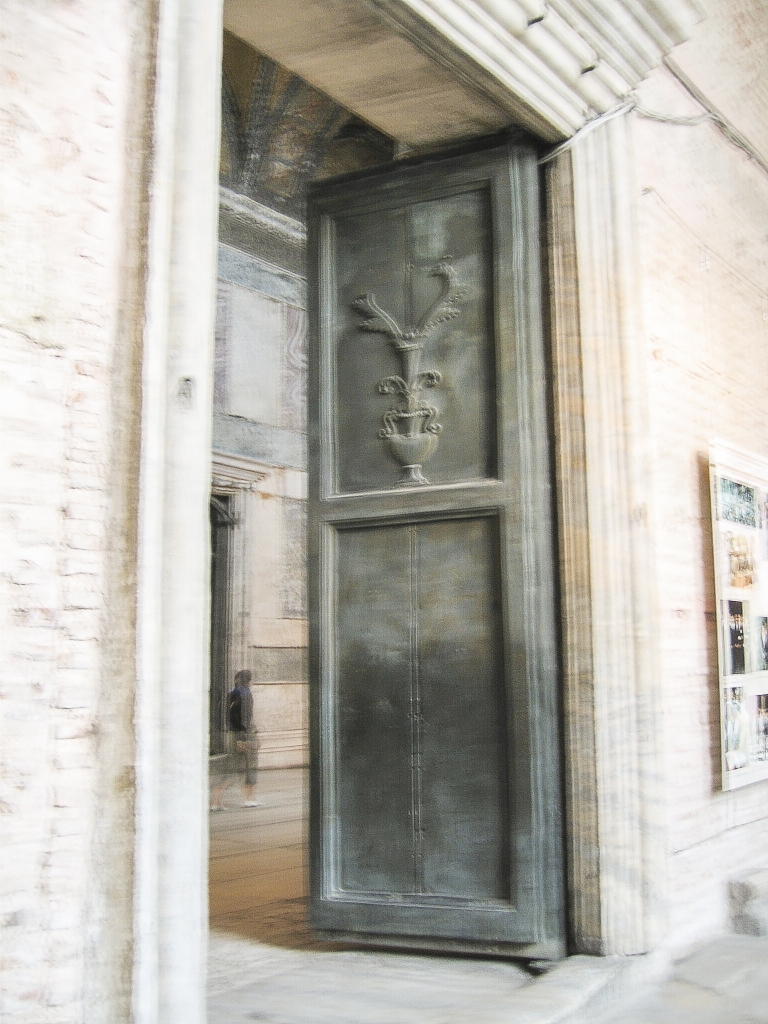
x=252, y=803
x=218, y=807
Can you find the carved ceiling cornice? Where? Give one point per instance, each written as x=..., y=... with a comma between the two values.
x=554, y=63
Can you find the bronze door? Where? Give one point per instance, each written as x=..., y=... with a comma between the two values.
x=435, y=807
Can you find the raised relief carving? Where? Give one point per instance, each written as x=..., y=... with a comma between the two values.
x=410, y=429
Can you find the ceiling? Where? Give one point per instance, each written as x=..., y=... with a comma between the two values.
x=432, y=71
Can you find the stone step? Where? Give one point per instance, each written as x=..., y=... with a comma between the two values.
x=253, y=981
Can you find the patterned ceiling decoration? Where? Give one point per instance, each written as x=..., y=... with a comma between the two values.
x=279, y=134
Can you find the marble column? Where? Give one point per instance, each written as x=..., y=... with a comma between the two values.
x=173, y=564
x=614, y=767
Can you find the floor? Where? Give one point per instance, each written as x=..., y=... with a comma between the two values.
x=725, y=982
x=258, y=864
x=264, y=963
x=265, y=966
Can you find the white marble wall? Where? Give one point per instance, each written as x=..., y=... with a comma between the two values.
x=260, y=405
x=106, y=325
x=75, y=93
x=702, y=214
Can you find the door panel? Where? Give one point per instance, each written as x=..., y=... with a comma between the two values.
x=393, y=253
x=374, y=706
x=435, y=789
x=421, y=715
x=464, y=770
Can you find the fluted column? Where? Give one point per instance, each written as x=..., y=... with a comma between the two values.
x=614, y=776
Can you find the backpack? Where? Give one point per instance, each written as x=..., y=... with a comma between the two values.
x=235, y=710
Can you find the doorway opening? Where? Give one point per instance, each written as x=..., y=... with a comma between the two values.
x=279, y=134
x=221, y=528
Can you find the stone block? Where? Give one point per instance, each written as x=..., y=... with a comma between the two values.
x=254, y=357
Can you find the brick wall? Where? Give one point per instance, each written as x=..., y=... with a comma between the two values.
x=703, y=211
x=74, y=104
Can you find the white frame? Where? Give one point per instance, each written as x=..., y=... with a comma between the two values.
x=740, y=764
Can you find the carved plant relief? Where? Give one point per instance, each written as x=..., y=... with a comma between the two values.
x=410, y=428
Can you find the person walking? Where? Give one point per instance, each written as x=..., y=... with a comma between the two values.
x=241, y=759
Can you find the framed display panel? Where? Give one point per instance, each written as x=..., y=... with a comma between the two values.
x=739, y=483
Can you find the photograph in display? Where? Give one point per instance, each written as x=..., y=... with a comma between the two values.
x=736, y=729
x=740, y=539
x=737, y=502
x=761, y=643
x=741, y=560
x=735, y=655
x=759, y=750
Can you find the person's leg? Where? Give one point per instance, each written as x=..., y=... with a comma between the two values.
x=218, y=794
x=249, y=782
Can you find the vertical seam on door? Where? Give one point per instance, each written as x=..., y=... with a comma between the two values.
x=415, y=717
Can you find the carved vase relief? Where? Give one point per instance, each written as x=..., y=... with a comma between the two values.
x=410, y=428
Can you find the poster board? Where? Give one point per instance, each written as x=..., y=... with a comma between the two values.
x=739, y=489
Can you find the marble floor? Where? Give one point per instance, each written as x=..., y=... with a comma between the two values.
x=265, y=966
x=258, y=863
x=724, y=982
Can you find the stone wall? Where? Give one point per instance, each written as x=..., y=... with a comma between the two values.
x=267, y=600
x=75, y=96
x=260, y=425
x=702, y=216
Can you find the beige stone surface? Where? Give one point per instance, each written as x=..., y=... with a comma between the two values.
x=280, y=705
x=254, y=360
x=258, y=863
x=93, y=369
x=727, y=53
x=430, y=71
x=357, y=57
x=74, y=98
x=269, y=632
x=616, y=817
x=264, y=962
x=702, y=215
x=280, y=711
x=724, y=981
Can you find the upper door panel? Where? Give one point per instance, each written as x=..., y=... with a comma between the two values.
x=414, y=355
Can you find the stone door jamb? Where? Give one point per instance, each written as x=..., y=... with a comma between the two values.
x=615, y=812
x=615, y=845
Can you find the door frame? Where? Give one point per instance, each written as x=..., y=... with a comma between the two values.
x=612, y=720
